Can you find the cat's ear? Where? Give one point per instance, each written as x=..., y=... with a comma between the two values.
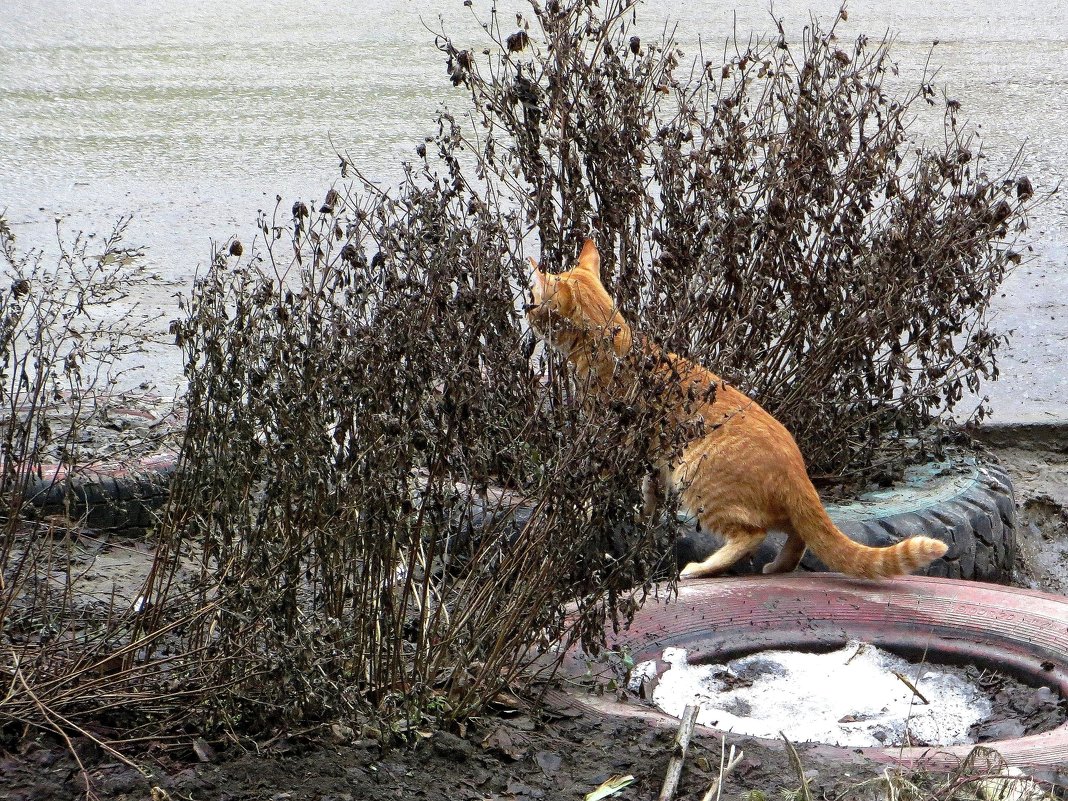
x=590, y=259
x=537, y=281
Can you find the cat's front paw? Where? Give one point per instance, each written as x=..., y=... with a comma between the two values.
x=692, y=570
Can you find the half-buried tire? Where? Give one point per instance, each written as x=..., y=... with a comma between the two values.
x=967, y=504
x=121, y=498
x=1018, y=632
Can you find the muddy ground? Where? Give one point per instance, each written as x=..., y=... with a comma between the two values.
x=505, y=758
x=518, y=757
x=1037, y=459
x=519, y=752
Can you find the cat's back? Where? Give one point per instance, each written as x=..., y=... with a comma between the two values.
x=733, y=415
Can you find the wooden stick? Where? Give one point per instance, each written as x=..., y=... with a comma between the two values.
x=678, y=753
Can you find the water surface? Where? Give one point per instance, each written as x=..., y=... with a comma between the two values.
x=195, y=114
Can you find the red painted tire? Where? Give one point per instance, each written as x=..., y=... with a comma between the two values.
x=123, y=495
x=1021, y=632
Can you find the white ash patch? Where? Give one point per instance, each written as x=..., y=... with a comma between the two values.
x=849, y=697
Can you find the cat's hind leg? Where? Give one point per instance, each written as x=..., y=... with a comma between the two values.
x=740, y=541
x=790, y=555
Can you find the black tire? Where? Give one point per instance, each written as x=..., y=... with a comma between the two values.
x=124, y=500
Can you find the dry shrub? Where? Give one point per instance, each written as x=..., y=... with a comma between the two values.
x=769, y=217
x=364, y=417
x=62, y=353
x=61, y=350
x=363, y=388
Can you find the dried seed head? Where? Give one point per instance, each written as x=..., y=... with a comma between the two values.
x=1002, y=211
x=333, y=197
x=349, y=254
x=518, y=41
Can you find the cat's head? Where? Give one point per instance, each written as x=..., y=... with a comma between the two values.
x=572, y=309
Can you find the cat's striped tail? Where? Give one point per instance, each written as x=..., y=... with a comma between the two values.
x=838, y=552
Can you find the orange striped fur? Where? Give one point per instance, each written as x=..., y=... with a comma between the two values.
x=743, y=475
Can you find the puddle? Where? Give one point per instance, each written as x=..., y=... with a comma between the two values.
x=858, y=696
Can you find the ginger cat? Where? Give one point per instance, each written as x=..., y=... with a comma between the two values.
x=742, y=474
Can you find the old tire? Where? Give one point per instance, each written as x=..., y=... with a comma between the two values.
x=967, y=504
x=122, y=499
x=1019, y=632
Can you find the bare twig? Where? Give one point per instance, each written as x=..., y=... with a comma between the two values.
x=726, y=765
x=905, y=680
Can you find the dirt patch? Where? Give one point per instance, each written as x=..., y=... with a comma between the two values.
x=1039, y=471
x=112, y=428
x=517, y=758
x=1018, y=710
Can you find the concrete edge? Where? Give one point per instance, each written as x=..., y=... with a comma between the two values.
x=1046, y=436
